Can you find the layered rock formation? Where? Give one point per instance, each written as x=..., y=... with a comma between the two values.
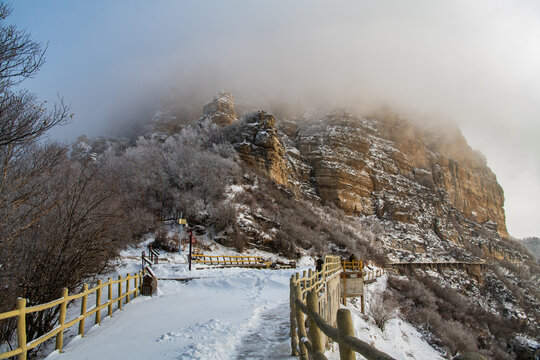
x=397, y=170
x=260, y=146
x=428, y=180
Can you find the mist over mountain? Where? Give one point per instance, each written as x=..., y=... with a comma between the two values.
x=349, y=129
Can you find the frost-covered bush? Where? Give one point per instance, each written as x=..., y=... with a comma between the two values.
x=184, y=173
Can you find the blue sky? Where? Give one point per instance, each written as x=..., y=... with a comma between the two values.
x=475, y=63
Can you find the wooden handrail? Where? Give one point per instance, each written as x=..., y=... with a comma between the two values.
x=317, y=280
x=22, y=311
x=304, y=299
x=230, y=260
x=351, y=342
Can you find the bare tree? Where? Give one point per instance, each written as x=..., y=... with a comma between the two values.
x=25, y=167
x=382, y=308
x=23, y=120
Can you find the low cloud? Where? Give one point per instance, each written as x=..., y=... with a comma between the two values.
x=472, y=62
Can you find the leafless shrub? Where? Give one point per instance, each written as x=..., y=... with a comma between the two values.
x=222, y=216
x=166, y=241
x=454, y=323
x=456, y=337
x=382, y=307
x=239, y=239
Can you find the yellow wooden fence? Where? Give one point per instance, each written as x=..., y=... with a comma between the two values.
x=315, y=295
x=325, y=281
x=311, y=343
x=22, y=310
x=354, y=265
x=231, y=260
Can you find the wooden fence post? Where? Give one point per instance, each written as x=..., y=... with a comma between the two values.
x=61, y=321
x=294, y=334
x=98, y=303
x=345, y=327
x=312, y=302
x=21, y=328
x=301, y=325
x=344, y=278
x=83, y=310
x=136, y=284
x=110, y=296
x=119, y=292
x=142, y=260
x=127, y=287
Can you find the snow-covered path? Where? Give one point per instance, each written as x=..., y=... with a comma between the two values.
x=270, y=338
x=222, y=314
x=226, y=314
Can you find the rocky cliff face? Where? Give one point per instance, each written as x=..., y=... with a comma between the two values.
x=397, y=170
x=421, y=181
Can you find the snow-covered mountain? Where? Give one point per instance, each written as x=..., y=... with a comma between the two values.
x=386, y=188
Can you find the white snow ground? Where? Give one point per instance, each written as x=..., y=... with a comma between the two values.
x=223, y=314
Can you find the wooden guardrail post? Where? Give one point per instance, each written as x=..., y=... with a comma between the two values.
x=142, y=260
x=83, y=310
x=110, y=297
x=98, y=303
x=300, y=324
x=345, y=327
x=127, y=288
x=61, y=321
x=21, y=328
x=119, y=292
x=136, y=284
x=294, y=334
x=312, y=302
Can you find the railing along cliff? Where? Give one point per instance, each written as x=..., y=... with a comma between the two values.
x=317, y=296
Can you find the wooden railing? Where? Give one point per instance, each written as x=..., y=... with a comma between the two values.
x=372, y=275
x=146, y=261
x=22, y=310
x=154, y=255
x=325, y=281
x=354, y=265
x=314, y=295
x=230, y=260
x=311, y=343
x=358, y=265
x=311, y=280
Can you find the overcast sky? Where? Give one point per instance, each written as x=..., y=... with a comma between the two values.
x=473, y=62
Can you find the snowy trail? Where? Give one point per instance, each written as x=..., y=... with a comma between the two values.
x=270, y=339
x=222, y=314
x=219, y=316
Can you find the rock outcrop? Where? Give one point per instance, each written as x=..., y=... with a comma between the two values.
x=260, y=146
x=421, y=180
x=395, y=169
x=220, y=110
x=429, y=180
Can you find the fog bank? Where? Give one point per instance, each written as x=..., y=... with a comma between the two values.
x=475, y=63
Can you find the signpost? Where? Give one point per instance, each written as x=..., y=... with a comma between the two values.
x=190, y=246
